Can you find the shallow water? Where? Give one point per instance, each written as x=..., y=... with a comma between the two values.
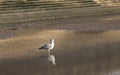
x=76, y=53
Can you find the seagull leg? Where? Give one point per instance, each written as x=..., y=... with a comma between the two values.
x=48, y=52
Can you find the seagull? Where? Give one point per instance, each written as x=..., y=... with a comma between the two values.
x=48, y=46
x=52, y=59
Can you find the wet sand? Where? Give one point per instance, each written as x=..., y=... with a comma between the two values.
x=76, y=52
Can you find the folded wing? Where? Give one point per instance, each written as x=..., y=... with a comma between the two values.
x=47, y=46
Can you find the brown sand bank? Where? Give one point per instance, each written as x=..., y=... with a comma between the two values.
x=83, y=23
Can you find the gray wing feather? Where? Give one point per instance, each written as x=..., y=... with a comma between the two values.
x=47, y=46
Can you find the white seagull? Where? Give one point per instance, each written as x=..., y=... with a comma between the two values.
x=48, y=46
x=51, y=58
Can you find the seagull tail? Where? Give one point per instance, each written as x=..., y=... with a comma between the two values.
x=43, y=47
x=40, y=48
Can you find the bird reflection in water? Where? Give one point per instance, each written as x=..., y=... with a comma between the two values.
x=51, y=58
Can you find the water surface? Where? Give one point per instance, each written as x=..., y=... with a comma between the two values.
x=76, y=53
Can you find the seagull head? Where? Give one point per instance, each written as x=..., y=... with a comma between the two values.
x=52, y=40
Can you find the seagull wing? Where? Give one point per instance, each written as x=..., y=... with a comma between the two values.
x=47, y=46
x=43, y=47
